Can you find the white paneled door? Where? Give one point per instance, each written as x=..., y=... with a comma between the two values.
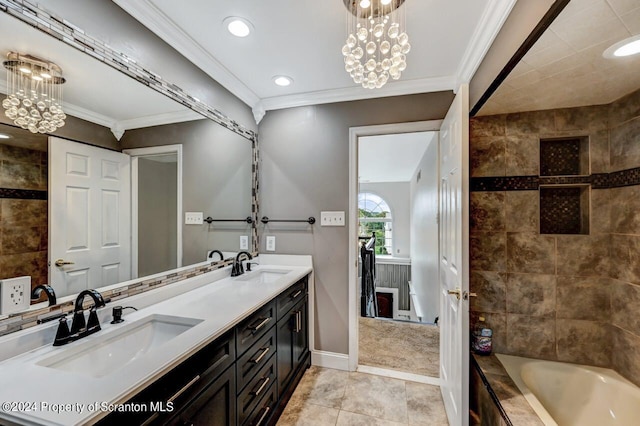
x=89, y=216
x=454, y=255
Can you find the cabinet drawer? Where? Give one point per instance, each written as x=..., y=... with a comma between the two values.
x=256, y=389
x=264, y=409
x=251, y=329
x=291, y=296
x=252, y=361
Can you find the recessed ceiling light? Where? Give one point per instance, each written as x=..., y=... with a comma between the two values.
x=365, y=3
x=239, y=27
x=282, y=80
x=627, y=47
x=3, y=136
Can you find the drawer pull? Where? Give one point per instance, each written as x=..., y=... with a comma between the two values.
x=264, y=352
x=184, y=388
x=265, y=380
x=298, y=322
x=263, y=322
x=297, y=294
x=262, y=417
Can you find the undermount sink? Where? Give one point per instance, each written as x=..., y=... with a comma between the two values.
x=98, y=358
x=263, y=276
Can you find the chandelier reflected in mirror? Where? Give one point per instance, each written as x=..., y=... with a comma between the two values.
x=34, y=93
x=377, y=43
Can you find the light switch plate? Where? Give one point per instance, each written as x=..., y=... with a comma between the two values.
x=193, y=218
x=15, y=295
x=332, y=219
x=244, y=242
x=271, y=243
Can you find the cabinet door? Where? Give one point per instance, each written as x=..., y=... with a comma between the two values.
x=215, y=406
x=292, y=342
x=301, y=334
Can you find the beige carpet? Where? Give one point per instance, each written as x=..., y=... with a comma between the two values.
x=403, y=346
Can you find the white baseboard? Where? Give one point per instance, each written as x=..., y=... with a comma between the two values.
x=410, y=377
x=330, y=360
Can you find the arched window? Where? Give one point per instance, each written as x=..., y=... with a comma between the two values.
x=374, y=216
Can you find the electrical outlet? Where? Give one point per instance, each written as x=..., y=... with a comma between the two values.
x=193, y=218
x=331, y=218
x=271, y=243
x=244, y=242
x=15, y=295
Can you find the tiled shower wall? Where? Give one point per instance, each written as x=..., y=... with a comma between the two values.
x=23, y=221
x=572, y=298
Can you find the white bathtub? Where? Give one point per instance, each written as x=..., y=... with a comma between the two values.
x=570, y=394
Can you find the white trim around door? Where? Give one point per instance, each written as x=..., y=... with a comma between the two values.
x=354, y=134
x=135, y=154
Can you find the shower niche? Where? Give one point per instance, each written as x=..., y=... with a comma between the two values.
x=564, y=203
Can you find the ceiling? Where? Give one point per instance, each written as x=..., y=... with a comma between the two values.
x=391, y=158
x=303, y=39
x=94, y=91
x=565, y=68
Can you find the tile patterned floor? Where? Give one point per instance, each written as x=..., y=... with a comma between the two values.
x=402, y=346
x=333, y=397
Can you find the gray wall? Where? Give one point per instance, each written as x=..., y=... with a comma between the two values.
x=305, y=169
x=397, y=195
x=424, y=232
x=157, y=216
x=216, y=181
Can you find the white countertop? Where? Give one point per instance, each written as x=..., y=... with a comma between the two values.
x=219, y=304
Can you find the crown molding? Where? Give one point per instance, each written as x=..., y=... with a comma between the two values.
x=161, y=25
x=396, y=88
x=490, y=24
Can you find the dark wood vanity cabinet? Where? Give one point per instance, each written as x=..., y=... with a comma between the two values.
x=244, y=378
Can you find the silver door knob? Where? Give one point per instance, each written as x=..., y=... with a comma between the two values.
x=61, y=262
x=457, y=292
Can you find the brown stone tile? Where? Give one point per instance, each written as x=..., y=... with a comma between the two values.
x=625, y=354
x=490, y=365
x=491, y=125
x=19, y=154
x=625, y=210
x=530, y=123
x=583, y=298
x=531, y=294
x=625, y=306
x=522, y=211
x=24, y=212
x=624, y=109
x=625, y=252
x=487, y=211
x=425, y=405
x=19, y=175
x=487, y=251
x=530, y=252
x=15, y=265
x=584, y=255
x=625, y=145
x=488, y=156
x=498, y=323
x=20, y=239
x=599, y=150
x=584, y=342
x=513, y=402
x=376, y=396
x=522, y=155
x=600, y=211
x=533, y=337
x=490, y=288
x=582, y=119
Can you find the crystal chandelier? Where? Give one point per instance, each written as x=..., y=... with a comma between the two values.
x=377, y=43
x=34, y=93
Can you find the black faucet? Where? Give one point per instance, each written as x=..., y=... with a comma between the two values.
x=79, y=327
x=218, y=252
x=237, y=269
x=48, y=290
